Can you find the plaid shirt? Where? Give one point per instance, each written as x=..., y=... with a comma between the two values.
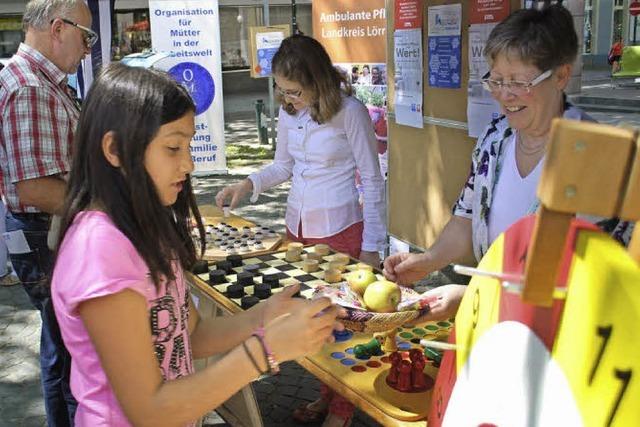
x=39, y=118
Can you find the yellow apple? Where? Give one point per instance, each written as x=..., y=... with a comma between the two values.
x=360, y=279
x=382, y=296
x=364, y=266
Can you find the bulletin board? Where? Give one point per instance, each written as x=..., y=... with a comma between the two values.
x=428, y=167
x=279, y=31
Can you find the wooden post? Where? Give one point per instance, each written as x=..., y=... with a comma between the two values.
x=590, y=169
x=545, y=256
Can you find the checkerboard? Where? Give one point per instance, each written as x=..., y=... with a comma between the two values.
x=287, y=272
x=213, y=252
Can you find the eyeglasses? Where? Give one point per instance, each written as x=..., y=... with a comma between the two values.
x=90, y=36
x=515, y=87
x=291, y=94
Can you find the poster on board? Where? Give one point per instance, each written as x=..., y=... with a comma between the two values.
x=407, y=56
x=264, y=42
x=189, y=31
x=481, y=107
x=444, y=45
x=354, y=34
x=488, y=11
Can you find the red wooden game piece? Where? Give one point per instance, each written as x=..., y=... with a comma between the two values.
x=404, y=376
x=417, y=375
x=415, y=353
x=395, y=358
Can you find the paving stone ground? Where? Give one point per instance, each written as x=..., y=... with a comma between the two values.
x=20, y=393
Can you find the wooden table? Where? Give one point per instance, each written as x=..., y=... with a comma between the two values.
x=242, y=408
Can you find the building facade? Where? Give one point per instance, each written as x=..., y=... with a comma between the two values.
x=131, y=33
x=604, y=21
x=131, y=30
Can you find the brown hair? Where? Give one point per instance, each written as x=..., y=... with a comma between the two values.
x=544, y=38
x=303, y=60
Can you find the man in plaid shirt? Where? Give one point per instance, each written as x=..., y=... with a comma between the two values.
x=39, y=117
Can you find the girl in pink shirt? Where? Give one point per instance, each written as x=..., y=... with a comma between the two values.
x=118, y=284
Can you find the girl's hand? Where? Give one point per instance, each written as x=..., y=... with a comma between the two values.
x=445, y=306
x=235, y=192
x=371, y=258
x=303, y=331
x=280, y=304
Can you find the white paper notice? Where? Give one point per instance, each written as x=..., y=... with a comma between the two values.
x=267, y=44
x=481, y=107
x=16, y=242
x=407, y=53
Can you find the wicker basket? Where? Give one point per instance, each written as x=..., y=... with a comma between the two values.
x=369, y=322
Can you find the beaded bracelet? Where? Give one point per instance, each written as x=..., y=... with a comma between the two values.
x=253, y=360
x=274, y=367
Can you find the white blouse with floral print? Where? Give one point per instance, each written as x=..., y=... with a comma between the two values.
x=476, y=197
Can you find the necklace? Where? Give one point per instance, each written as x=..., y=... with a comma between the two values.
x=527, y=151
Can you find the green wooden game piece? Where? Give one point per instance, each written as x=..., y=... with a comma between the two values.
x=406, y=335
x=432, y=354
x=444, y=324
x=372, y=347
x=419, y=331
x=360, y=351
x=431, y=327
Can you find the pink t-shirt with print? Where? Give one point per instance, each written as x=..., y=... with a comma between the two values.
x=96, y=259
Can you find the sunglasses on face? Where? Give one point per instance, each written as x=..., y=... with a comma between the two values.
x=514, y=86
x=90, y=36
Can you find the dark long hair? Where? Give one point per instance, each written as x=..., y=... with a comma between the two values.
x=133, y=103
x=303, y=60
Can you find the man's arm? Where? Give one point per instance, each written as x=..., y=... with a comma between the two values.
x=46, y=193
x=37, y=131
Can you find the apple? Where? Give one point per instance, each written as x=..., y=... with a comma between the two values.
x=359, y=280
x=382, y=296
x=364, y=266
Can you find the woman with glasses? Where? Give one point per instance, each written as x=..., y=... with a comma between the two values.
x=324, y=135
x=530, y=55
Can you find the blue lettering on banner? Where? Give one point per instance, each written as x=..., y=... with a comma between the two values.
x=198, y=81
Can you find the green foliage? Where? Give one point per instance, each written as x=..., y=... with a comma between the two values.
x=377, y=99
x=370, y=95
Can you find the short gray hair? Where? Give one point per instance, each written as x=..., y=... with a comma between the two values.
x=544, y=38
x=40, y=13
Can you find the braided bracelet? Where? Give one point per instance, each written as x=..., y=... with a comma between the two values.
x=253, y=360
x=274, y=367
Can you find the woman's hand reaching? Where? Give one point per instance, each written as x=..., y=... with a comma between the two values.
x=235, y=193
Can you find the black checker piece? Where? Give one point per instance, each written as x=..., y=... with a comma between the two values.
x=266, y=257
x=281, y=276
x=305, y=278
